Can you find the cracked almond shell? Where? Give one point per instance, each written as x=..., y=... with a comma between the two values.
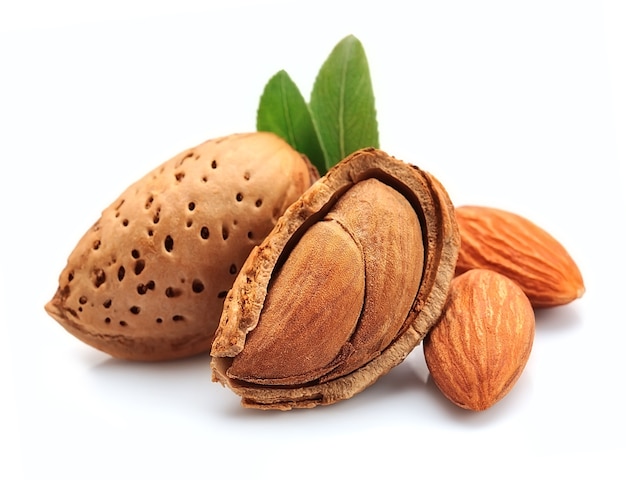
x=148, y=280
x=349, y=281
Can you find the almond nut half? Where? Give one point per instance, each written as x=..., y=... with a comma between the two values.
x=148, y=280
x=348, y=282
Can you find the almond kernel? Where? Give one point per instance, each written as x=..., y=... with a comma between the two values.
x=519, y=249
x=479, y=348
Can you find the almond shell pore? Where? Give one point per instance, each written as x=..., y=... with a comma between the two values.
x=148, y=280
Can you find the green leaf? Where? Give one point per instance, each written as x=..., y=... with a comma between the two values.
x=342, y=102
x=283, y=111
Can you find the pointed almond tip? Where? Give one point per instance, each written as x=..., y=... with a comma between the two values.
x=55, y=309
x=51, y=308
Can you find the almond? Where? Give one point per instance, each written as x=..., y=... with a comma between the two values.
x=348, y=282
x=517, y=248
x=479, y=348
x=148, y=280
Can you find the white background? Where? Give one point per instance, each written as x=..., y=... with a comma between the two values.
x=519, y=105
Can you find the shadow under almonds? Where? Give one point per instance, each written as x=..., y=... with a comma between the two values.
x=183, y=383
x=557, y=319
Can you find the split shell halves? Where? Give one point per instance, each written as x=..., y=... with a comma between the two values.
x=348, y=282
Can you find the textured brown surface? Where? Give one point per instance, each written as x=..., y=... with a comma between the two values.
x=148, y=280
x=388, y=335
x=519, y=249
x=479, y=348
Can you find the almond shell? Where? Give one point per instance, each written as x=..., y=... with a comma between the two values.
x=243, y=308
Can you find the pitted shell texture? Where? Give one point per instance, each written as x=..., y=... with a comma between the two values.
x=348, y=282
x=148, y=280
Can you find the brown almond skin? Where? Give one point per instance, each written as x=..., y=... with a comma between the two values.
x=479, y=348
x=519, y=249
x=347, y=312
x=272, y=355
x=147, y=282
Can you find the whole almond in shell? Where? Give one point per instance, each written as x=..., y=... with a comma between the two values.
x=479, y=348
x=148, y=280
x=344, y=287
x=516, y=247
